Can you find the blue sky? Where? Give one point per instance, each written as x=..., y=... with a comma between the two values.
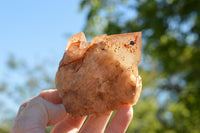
x=37, y=29
x=33, y=31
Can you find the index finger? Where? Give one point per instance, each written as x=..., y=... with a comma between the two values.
x=51, y=96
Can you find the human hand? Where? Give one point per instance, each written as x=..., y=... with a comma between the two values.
x=47, y=109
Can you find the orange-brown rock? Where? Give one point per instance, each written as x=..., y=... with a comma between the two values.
x=101, y=76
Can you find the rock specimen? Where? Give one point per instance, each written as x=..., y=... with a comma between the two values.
x=101, y=76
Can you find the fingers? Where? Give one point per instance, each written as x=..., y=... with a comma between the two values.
x=118, y=124
x=55, y=112
x=95, y=124
x=51, y=96
x=68, y=124
x=41, y=111
x=121, y=120
x=37, y=114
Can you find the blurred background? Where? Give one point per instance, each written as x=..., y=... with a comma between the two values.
x=34, y=33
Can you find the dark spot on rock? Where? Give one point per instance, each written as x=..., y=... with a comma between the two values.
x=132, y=42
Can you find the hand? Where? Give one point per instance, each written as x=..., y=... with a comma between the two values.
x=47, y=109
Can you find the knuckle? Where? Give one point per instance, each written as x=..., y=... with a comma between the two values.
x=42, y=94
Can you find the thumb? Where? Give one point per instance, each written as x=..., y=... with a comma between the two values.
x=36, y=115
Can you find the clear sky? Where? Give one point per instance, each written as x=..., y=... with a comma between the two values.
x=37, y=29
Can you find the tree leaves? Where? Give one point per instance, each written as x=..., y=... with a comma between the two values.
x=171, y=44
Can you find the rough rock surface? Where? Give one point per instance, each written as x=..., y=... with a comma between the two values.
x=101, y=76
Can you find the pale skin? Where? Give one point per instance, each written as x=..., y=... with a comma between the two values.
x=47, y=109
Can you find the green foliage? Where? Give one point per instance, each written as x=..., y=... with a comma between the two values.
x=5, y=130
x=170, y=63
